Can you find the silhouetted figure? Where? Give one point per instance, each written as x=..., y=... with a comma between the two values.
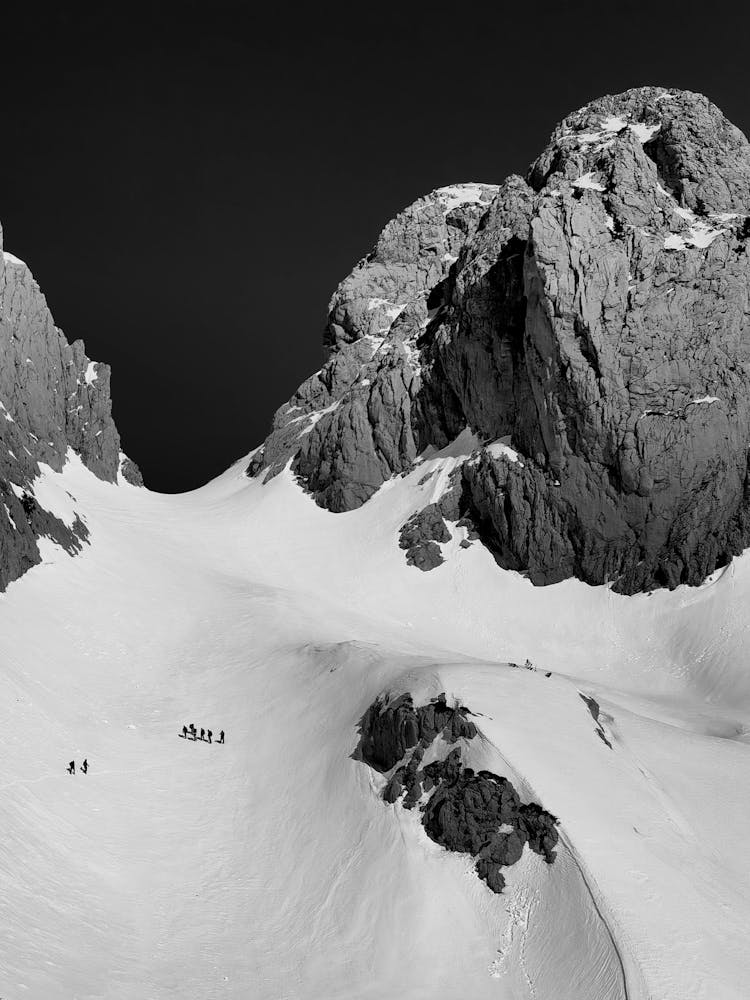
x=221, y=736
x=209, y=734
x=72, y=767
x=85, y=766
x=184, y=732
x=192, y=729
x=203, y=734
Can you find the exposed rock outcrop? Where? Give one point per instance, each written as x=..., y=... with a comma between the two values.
x=391, y=727
x=588, y=323
x=472, y=813
x=53, y=399
x=351, y=425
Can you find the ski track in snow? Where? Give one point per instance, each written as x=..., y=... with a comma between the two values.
x=269, y=867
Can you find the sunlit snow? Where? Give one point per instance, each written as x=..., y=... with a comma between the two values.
x=269, y=867
x=465, y=194
x=587, y=181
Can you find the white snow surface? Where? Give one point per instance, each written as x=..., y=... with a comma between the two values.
x=465, y=194
x=502, y=449
x=613, y=126
x=268, y=868
x=587, y=181
x=644, y=132
x=90, y=376
x=699, y=235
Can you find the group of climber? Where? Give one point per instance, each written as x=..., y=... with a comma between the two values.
x=190, y=732
x=84, y=767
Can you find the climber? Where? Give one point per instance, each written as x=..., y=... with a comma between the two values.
x=192, y=729
x=209, y=734
x=221, y=736
x=72, y=767
x=85, y=766
x=203, y=734
x=184, y=732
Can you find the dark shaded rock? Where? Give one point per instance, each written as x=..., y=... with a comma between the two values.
x=351, y=425
x=481, y=814
x=406, y=779
x=595, y=316
x=388, y=729
x=419, y=536
x=467, y=809
x=428, y=526
x=391, y=727
x=395, y=787
x=593, y=707
x=539, y=827
x=478, y=814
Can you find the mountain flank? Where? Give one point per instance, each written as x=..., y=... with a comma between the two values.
x=54, y=403
x=588, y=325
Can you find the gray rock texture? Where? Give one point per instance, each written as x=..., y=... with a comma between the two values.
x=594, y=316
x=52, y=399
x=480, y=813
x=353, y=424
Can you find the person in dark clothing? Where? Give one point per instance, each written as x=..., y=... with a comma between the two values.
x=85, y=766
x=221, y=736
x=72, y=767
x=184, y=732
x=192, y=729
x=209, y=734
x=203, y=734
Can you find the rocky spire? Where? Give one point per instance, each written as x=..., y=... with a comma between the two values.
x=589, y=324
x=53, y=399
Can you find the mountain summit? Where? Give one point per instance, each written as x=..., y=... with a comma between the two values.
x=587, y=326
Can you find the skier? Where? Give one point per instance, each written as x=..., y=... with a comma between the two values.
x=184, y=732
x=203, y=734
x=85, y=766
x=221, y=736
x=72, y=767
x=209, y=734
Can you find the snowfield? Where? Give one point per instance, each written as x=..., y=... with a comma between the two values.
x=269, y=868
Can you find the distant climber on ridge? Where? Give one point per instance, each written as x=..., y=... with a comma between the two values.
x=209, y=734
x=85, y=766
x=221, y=736
x=72, y=767
x=203, y=734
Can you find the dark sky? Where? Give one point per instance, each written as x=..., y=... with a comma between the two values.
x=189, y=182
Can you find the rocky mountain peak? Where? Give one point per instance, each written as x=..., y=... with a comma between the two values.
x=587, y=326
x=54, y=401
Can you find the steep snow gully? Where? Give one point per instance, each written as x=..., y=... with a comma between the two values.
x=270, y=867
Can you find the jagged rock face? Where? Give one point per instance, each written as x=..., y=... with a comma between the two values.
x=592, y=333
x=52, y=399
x=352, y=425
x=472, y=813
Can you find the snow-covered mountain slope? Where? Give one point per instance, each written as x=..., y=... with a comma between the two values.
x=270, y=867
